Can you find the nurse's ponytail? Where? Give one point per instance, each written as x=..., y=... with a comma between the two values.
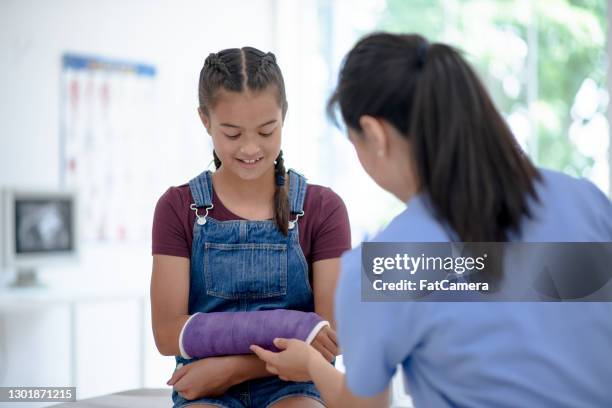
x=467, y=161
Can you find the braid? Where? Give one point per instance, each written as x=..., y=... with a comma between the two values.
x=281, y=201
x=279, y=170
x=216, y=160
x=266, y=62
x=218, y=72
x=214, y=62
x=269, y=58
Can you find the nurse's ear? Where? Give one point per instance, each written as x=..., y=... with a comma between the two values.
x=376, y=135
x=205, y=120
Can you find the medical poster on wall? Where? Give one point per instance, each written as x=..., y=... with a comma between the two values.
x=106, y=125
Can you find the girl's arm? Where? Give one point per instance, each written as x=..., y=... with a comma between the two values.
x=169, y=312
x=169, y=297
x=324, y=278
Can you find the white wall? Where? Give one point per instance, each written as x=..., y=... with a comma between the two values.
x=175, y=36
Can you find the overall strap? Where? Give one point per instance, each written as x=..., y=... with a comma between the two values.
x=297, y=191
x=201, y=189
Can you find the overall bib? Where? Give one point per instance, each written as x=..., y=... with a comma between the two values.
x=242, y=265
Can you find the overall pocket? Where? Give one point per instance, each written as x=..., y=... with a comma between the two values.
x=245, y=271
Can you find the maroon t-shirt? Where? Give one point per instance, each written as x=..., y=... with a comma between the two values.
x=324, y=229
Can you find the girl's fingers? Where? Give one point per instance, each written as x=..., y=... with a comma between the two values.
x=323, y=350
x=271, y=369
x=317, y=345
x=328, y=343
x=333, y=336
x=177, y=375
x=181, y=385
x=327, y=355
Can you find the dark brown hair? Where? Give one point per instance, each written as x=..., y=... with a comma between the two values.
x=238, y=69
x=467, y=161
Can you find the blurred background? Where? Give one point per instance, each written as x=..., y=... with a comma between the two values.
x=99, y=99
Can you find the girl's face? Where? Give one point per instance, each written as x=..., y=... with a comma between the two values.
x=246, y=131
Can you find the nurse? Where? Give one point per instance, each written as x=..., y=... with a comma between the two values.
x=425, y=129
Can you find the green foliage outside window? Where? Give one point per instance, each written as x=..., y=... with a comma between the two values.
x=544, y=63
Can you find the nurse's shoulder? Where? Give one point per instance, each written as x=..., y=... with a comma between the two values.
x=416, y=223
x=568, y=209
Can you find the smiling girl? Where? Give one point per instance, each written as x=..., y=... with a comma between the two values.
x=250, y=237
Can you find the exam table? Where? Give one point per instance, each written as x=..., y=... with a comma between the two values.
x=139, y=398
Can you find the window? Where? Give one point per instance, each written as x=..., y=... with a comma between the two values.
x=543, y=62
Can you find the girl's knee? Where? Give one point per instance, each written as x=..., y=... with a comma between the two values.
x=297, y=402
x=201, y=406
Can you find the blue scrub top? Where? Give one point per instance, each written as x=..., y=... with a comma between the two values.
x=486, y=354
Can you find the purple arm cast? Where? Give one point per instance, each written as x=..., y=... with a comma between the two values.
x=231, y=333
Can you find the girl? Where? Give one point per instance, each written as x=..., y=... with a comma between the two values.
x=425, y=129
x=249, y=237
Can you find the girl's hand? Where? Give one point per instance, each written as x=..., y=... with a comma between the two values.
x=208, y=377
x=326, y=343
x=292, y=362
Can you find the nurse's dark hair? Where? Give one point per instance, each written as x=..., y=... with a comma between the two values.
x=238, y=70
x=466, y=159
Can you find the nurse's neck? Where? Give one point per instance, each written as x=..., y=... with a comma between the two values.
x=400, y=175
x=405, y=188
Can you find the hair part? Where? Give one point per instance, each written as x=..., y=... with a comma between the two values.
x=468, y=163
x=239, y=70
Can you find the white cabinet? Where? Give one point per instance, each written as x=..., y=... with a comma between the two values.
x=93, y=339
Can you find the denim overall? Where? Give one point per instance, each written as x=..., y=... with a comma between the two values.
x=242, y=265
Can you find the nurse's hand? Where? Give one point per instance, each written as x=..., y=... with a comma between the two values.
x=326, y=343
x=208, y=377
x=292, y=362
